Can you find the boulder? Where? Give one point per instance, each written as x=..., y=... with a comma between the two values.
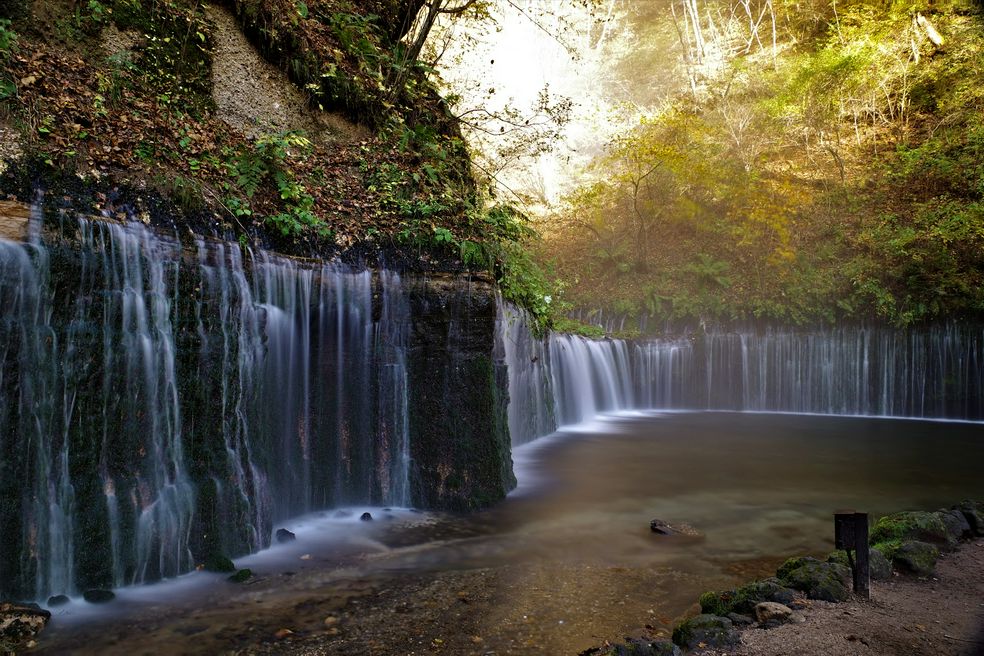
x=743, y=600
x=823, y=581
x=879, y=566
x=636, y=647
x=770, y=611
x=711, y=630
x=99, y=596
x=739, y=620
x=20, y=623
x=219, y=563
x=911, y=556
x=58, y=600
x=973, y=512
x=283, y=535
x=913, y=525
x=366, y=517
x=661, y=527
x=956, y=524
x=241, y=576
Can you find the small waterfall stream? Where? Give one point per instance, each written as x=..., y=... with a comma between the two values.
x=934, y=372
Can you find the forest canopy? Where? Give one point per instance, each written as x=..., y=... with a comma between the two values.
x=817, y=161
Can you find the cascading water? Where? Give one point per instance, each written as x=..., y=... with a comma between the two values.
x=936, y=372
x=157, y=406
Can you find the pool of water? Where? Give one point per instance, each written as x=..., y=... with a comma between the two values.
x=572, y=548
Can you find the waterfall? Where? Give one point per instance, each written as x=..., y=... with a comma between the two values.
x=560, y=380
x=158, y=404
x=932, y=372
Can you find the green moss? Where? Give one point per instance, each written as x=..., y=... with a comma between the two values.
x=711, y=630
x=923, y=526
x=241, y=576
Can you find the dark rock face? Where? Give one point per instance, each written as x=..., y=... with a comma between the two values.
x=19, y=623
x=460, y=445
x=711, y=630
x=823, y=581
x=98, y=596
x=283, y=535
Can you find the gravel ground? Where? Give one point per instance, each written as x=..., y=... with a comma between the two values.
x=911, y=616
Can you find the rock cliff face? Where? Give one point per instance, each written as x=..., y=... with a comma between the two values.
x=162, y=402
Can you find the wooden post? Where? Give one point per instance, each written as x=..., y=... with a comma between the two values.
x=851, y=534
x=862, y=569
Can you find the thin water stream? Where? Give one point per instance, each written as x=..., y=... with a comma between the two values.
x=568, y=560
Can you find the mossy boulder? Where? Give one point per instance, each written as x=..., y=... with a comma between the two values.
x=912, y=525
x=879, y=566
x=744, y=599
x=819, y=580
x=911, y=556
x=973, y=511
x=219, y=563
x=712, y=630
x=957, y=525
x=241, y=576
x=639, y=647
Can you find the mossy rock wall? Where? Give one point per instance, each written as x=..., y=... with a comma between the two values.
x=461, y=447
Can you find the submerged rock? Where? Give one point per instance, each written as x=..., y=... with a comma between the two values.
x=20, y=623
x=98, y=596
x=58, y=600
x=665, y=528
x=283, y=535
x=711, y=630
x=823, y=581
x=366, y=517
x=241, y=576
x=341, y=514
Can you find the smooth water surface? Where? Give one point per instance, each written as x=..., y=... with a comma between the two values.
x=569, y=556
